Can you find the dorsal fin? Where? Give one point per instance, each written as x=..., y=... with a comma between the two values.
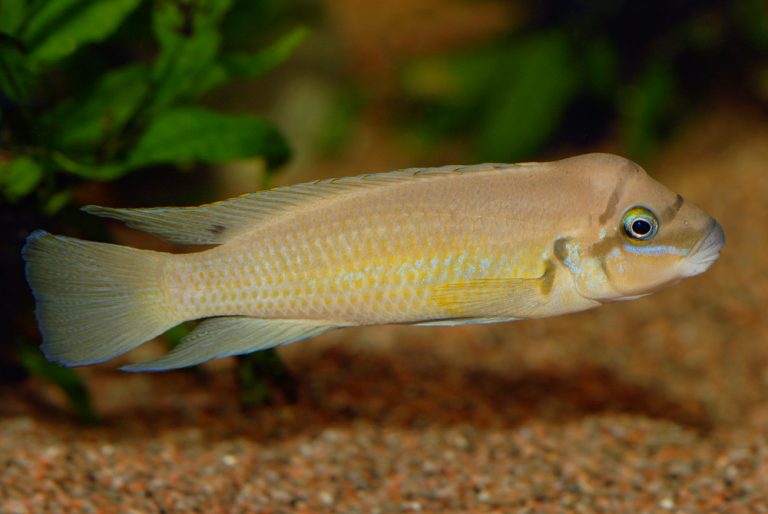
x=218, y=222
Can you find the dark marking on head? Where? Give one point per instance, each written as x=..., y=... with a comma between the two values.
x=216, y=229
x=559, y=248
x=604, y=246
x=548, y=278
x=604, y=267
x=613, y=200
x=670, y=213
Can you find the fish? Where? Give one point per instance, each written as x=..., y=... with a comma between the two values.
x=437, y=246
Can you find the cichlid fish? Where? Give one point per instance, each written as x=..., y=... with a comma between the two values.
x=427, y=246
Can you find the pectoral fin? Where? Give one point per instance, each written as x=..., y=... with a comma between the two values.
x=496, y=297
x=233, y=335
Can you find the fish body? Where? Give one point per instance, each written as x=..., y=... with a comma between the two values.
x=451, y=245
x=383, y=256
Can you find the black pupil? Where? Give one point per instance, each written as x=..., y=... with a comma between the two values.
x=641, y=227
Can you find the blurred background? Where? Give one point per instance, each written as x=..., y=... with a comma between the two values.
x=179, y=102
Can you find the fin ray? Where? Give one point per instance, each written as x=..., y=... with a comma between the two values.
x=218, y=222
x=233, y=335
x=95, y=301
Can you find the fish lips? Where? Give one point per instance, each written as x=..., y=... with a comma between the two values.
x=706, y=251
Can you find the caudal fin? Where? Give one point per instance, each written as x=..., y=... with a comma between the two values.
x=95, y=301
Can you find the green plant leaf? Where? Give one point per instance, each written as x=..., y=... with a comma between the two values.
x=453, y=92
x=250, y=65
x=100, y=113
x=19, y=177
x=59, y=27
x=253, y=65
x=195, y=134
x=458, y=82
x=190, y=134
x=69, y=381
x=11, y=15
x=109, y=171
x=535, y=82
x=56, y=202
x=645, y=106
x=189, y=43
x=510, y=95
x=600, y=63
x=260, y=374
x=15, y=75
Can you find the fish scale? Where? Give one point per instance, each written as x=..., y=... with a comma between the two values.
x=375, y=271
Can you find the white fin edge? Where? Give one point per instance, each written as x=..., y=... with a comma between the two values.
x=95, y=301
x=453, y=322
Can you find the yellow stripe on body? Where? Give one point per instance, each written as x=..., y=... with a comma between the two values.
x=388, y=288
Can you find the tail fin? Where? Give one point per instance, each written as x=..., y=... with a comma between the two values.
x=95, y=301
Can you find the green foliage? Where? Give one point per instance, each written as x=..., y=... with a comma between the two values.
x=54, y=29
x=571, y=75
x=645, y=106
x=96, y=118
x=94, y=90
x=340, y=121
x=20, y=176
x=189, y=43
x=11, y=15
x=534, y=81
x=195, y=134
x=259, y=373
x=513, y=94
x=140, y=114
x=753, y=14
x=65, y=378
x=15, y=75
x=247, y=65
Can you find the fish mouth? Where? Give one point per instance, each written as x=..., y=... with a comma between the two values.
x=706, y=251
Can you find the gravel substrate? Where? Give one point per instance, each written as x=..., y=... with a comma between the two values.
x=595, y=464
x=657, y=405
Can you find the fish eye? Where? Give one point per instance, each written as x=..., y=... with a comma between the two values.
x=640, y=224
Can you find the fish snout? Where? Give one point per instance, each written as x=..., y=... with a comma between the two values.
x=706, y=252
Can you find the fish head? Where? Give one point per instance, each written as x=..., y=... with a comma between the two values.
x=642, y=237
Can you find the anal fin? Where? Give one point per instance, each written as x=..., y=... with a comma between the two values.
x=234, y=335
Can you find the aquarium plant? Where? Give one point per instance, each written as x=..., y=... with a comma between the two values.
x=94, y=91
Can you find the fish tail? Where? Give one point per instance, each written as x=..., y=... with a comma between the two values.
x=95, y=301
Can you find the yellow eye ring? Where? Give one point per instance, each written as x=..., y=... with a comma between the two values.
x=640, y=224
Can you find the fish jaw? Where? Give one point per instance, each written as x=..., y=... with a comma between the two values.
x=706, y=252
